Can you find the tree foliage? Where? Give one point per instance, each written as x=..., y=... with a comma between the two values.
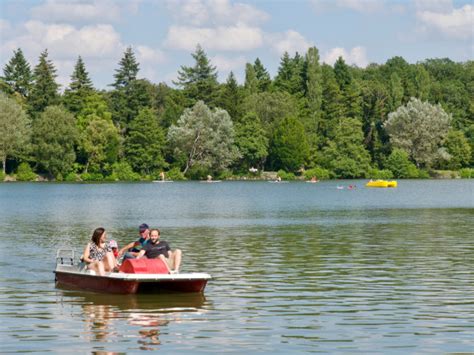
x=15, y=130
x=54, y=138
x=44, y=91
x=17, y=74
x=418, y=128
x=204, y=137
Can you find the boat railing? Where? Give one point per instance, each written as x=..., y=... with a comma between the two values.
x=65, y=256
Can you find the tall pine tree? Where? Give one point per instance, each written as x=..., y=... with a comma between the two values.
x=79, y=88
x=17, y=74
x=200, y=81
x=44, y=91
x=262, y=76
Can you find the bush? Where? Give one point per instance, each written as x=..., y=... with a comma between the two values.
x=197, y=172
x=318, y=172
x=71, y=177
x=111, y=177
x=92, y=177
x=175, y=174
x=2, y=176
x=124, y=172
x=379, y=174
x=286, y=176
x=224, y=175
x=423, y=174
x=466, y=173
x=401, y=167
x=25, y=173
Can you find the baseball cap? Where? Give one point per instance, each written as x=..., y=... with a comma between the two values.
x=113, y=244
x=142, y=227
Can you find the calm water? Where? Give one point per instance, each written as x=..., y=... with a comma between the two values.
x=297, y=267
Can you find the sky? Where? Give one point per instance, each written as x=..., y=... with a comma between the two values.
x=164, y=33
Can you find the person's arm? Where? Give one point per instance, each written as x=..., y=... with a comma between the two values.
x=140, y=254
x=125, y=248
x=86, y=254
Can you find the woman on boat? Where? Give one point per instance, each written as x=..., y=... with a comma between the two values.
x=98, y=253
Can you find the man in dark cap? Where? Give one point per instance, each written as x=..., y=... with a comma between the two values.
x=132, y=249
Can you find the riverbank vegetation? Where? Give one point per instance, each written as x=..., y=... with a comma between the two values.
x=391, y=120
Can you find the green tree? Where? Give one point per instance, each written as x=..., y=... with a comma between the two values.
x=290, y=76
x=332, y=103
x=231, y=98
x=271, y=108
x=396, y=92
x=54, y=137
x=251, y=82
x=204, y=137
x=251, y=141
x=314, y=89
x=79, y=89
x=200, y=81
x=15, y=130
x=101, y=142
x=94, y=107
x=459, y=150
x=44, y=91
x=17, y=74
x=130, y=94
x=418, y=128
x=346, y=155
x=144, y=143
x=262, y=76
x=127, y=71
x=400, y=165
x=289, y=148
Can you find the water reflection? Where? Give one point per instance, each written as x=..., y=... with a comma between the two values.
x=143, y=315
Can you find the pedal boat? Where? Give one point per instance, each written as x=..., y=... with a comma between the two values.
x=134, y=276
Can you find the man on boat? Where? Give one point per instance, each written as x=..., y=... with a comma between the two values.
x=156, y=249
x=132, y=249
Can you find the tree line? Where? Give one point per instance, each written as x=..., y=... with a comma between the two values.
x=386, y=120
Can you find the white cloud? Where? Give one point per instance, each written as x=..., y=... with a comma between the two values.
x=226, y=65
x=363, y=6
x=456, y=23
x=233, y=38
x=433, y=5
x=67, y=11
x=5, y=28
x=66, y=41
x=147, y=54
x=356, y=55
x=215, y=12
x=289, y=41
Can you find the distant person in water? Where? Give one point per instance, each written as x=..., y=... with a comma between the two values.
x=159, y=249
x=131, y=250
x=162, y=176
x=209, y=178
x=98, y=253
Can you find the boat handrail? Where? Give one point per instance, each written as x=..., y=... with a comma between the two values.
x=63, y=259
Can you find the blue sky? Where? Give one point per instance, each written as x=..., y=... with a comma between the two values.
x=164, y=33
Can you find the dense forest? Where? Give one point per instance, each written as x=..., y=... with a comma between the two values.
x=387, y=120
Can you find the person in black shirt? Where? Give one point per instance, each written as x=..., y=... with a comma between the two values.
x=160, y=249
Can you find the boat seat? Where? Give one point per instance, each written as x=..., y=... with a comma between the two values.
x=144, y=266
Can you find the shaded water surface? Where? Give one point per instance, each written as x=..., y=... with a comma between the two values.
x=297, y=267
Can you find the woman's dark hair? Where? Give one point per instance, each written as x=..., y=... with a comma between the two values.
x=97, y=234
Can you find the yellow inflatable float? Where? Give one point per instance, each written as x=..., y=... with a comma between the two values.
x=381, y=183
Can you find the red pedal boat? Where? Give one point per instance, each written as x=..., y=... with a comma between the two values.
x=134, y=276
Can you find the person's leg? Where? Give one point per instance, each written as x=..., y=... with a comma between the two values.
x=162, y=257
x=176, y=259
x=109, y=262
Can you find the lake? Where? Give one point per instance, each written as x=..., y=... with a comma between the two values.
x=297, y=267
